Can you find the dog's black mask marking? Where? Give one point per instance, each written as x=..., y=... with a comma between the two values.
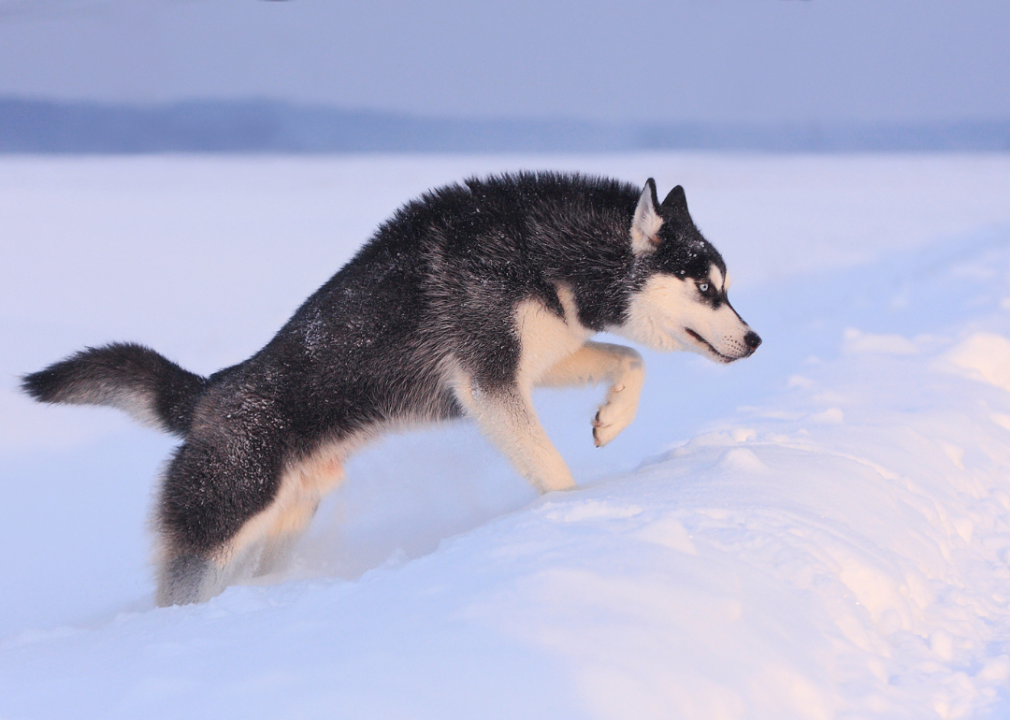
x=683, y=251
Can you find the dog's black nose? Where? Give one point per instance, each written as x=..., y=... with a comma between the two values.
x=752, y=339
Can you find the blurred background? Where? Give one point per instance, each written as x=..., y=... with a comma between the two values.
x=525, y=75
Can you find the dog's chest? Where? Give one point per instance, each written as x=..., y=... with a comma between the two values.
x=545, y=339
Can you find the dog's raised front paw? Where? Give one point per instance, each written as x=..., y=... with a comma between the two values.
x=617, y=412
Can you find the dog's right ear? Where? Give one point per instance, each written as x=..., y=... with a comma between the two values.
x=645, y=226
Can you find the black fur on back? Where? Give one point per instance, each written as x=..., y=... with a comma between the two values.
x=124, y=375
x=437, y=285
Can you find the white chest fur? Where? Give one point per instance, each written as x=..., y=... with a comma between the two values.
x=546, y=339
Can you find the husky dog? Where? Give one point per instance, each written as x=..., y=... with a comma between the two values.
x=459, y=305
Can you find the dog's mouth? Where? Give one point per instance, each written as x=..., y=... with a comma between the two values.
x=705, y=343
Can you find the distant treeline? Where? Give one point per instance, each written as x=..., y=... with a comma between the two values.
x=40, y=126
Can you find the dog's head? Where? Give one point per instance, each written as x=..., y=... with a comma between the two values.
x=681, y=303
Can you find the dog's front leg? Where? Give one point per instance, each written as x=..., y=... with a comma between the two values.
x=507, y=417
x=597, y=362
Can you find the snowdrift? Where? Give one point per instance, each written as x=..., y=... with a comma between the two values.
x=822, y=531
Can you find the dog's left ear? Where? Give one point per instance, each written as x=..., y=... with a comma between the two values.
x=646, y=224
x=675, y=204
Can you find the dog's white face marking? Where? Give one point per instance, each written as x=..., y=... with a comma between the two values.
x=670, y=313
x=715, y=276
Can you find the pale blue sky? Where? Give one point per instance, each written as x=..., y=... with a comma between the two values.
x=723, y=60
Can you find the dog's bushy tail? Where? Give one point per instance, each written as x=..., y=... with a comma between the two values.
x=127, y=376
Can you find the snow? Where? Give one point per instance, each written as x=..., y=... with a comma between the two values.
x=820, y=531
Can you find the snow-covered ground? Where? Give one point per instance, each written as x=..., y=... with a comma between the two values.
x=820, y=531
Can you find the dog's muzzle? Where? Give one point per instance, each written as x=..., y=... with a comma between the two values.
x=751, y=342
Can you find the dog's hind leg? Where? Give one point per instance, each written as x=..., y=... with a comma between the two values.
x=283, y=534
x=216, y=507
x=303, y=486
x=506, y=415
x=225, y=521
x=598, y=362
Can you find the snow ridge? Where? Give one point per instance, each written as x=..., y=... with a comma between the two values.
x=839, y=548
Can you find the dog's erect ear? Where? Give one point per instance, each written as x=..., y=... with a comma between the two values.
x=645, y=226
x=676, y=203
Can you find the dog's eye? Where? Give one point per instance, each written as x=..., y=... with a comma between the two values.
x=703, y=287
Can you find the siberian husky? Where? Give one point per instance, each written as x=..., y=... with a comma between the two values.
x=459, y=305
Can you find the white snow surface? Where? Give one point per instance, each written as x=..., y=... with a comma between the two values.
x=820, y=531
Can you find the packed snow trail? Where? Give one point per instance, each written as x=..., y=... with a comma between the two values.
x=842, y=553
x=839, y=548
